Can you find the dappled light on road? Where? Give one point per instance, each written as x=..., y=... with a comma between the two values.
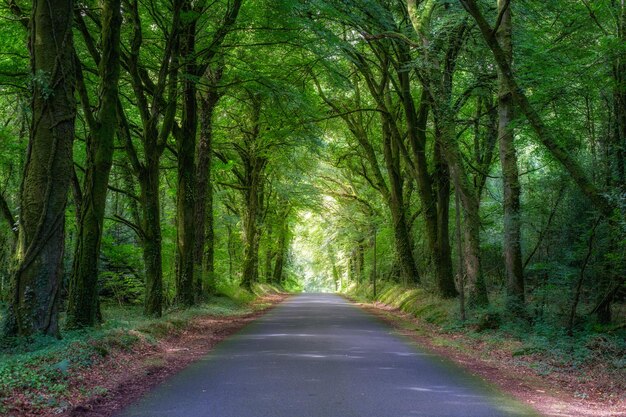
x=337, y=362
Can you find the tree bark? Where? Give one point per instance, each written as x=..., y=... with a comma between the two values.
x=443, y=253
x=281, y=253
x=360, y=262
x=48, y=171
x=253, y=189
x=151, y=240
x=83, y=305
x=269, y=253
x=477, y=291
x=204, y=250
x=510, y=174
x=157, y=118
x=251, y=235
x=402, y=237
x=186, y=148
x=204, y=246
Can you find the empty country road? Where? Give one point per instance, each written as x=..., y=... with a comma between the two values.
x=317, y=355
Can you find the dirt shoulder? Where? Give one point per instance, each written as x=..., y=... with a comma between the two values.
x=125, y=373
x=589, y=392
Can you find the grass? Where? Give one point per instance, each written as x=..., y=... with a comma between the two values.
x=542, y=341
x=414, y=301
x=39, y=368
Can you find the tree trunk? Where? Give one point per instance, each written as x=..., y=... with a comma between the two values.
x=510, y=175
x=151, y=239
x=251, y=235
x=157, y=118
x=39, y=271
x=459, y=246
x=416, y=129
x=186, y=148
x=253, y=189
x=360, y=262
x=477, y=291
x=402, y=237
x=83, y=290
x=209, y=247
x=204, y=249
x=229, y=246
x=374, y=266
x=269, y=254
x=280, y=255
x=443, y=254
x=350, y=269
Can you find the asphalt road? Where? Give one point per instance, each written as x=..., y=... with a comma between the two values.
x=316, y=355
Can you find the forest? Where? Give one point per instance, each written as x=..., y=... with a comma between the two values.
x=162, y=153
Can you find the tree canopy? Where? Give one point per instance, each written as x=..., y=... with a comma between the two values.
x=165, y=151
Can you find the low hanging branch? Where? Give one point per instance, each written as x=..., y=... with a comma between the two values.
x=137, y=229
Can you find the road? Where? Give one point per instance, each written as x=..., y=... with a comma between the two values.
x=317, y=355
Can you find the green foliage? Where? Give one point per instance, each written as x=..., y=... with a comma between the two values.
x=298, y=119
x=416, y=302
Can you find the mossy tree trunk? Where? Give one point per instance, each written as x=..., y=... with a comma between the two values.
x=83, y=291
x=510, y=173
x=204, y=249
x=402, y=236
x=252, y=185
x=157, y=112
x=38, y=273
x=281, y=250
x=477, y=290
x=437, y=81
x=443, y=253
x=211, y=70
x=430, y=195
x=186, y=150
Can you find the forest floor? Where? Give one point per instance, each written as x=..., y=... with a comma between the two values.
x=99, y=376
x=593, y=390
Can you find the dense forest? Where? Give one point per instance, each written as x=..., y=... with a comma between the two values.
x=160, y=152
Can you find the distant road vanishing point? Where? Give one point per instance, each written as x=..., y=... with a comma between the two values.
x=317, y=355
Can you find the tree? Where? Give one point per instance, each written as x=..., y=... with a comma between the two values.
x=543, y=133
x=510, y=173
x=83, y=303
x=210, y=71
x=34, y=305
x=156, y=103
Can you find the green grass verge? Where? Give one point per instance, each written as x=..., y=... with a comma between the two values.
x=40, y=367
x=541, y=340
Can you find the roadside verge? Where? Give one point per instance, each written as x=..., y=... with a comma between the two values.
x=101, y=371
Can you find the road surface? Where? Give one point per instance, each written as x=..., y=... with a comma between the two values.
x=317, y=355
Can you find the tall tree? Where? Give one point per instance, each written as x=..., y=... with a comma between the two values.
x=254, y=164
x=210, y=70
x=510, y=172
x=437, y=80
x=544, y=134
x=83, y=302
x=37, y=279
x=156, y=102
x=186, y=149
